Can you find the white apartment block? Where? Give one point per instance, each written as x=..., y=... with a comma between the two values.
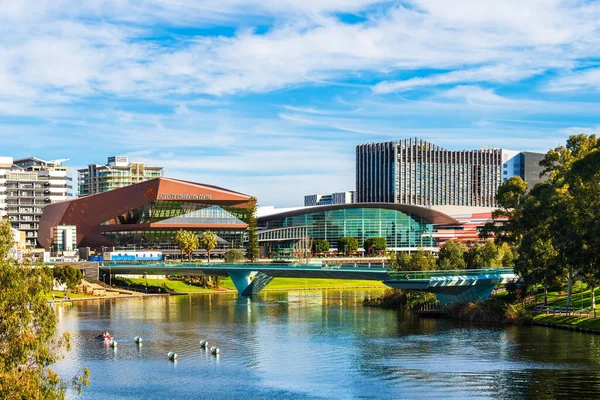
x=26, y=186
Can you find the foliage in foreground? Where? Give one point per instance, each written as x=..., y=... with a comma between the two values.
x=400, y=299
x=494, y=310
x=27, y=330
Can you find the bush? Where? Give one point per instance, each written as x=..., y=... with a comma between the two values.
x=234, y=255
x=495, y=310
x=347, y=244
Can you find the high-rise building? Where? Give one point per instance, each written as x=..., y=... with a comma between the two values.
x=26, y=186
x=328, y=199
x=118, y=172
x=417, y=172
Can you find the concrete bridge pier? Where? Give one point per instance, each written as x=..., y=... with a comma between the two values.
x=249, y=283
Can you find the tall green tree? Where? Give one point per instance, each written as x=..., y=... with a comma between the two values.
x=452, y=256
x=27, y=336
x=208, y=242
x=187, y=242
x=252, y=221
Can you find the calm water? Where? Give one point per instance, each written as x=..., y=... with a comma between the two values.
x=313, y=344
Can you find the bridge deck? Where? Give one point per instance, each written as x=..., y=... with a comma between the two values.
x=345, y=271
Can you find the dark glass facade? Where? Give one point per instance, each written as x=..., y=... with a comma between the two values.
x=175, y=213
x=179, y=212
x=401, y=230
x=416, y=172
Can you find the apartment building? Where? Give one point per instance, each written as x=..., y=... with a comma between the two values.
x=118, y=172
x=27, y=185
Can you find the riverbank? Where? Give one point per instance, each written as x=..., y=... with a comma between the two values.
x=579, y=324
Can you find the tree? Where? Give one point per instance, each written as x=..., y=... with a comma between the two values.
x=27, y=331
x=67, y=275
x=6, y=238
x=187, y=242
x=233, y=256
x=320, y=245
x=252, y=221
x=208, y=241
x=420, y=260
x=347, y=244
x=374, y=244
x=452, y=256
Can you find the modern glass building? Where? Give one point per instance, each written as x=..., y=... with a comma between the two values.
x=417, y=172
x=404, y=227
x=147, y=216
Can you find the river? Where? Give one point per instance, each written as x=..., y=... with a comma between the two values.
x=316, y=344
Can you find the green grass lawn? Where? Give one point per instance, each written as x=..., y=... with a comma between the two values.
x=177, y=286
x=579, y=299
x=58, y=295
x=583, y=322
x=276, y=283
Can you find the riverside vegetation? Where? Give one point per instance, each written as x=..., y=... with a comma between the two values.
x=549, y=233
x=28, y=342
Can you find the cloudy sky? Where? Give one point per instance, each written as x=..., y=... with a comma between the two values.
x=270, y=97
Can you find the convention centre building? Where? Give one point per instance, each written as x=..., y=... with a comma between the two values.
x=147, y=215
x=405, y=227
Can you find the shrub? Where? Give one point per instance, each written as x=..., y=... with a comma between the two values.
x=234, y=255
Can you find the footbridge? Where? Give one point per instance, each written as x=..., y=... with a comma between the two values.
x=249, y=279
x=453, y=286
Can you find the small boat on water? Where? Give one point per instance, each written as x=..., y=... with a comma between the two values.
x=215, y=351
x=137, y=339
x=105, y=336
x=172, y=356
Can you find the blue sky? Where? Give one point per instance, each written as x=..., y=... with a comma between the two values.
x=270, y=97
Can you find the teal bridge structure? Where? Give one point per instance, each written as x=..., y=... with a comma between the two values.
x=449, y=286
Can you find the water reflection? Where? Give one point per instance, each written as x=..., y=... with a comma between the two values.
x=317, y=344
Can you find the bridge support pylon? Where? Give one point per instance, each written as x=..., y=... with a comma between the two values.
x=249, y=283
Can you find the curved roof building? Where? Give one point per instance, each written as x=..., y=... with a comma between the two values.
x=147, y=215
x=405, y=227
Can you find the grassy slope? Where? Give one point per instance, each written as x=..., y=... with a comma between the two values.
x=583, y=322
x=277, y=283
x=579, y=299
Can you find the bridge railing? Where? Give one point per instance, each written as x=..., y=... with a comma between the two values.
x=261, y=266
x=420, y=275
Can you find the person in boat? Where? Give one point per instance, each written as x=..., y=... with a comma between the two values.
x=104, y=335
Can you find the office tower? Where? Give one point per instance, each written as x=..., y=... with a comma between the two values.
x=417, y=172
